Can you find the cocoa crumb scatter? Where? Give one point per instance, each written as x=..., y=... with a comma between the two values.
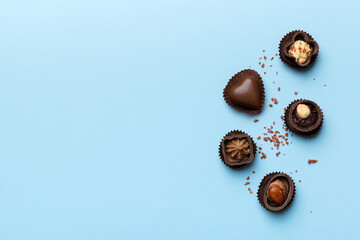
x=272, y=58
x=253, y=171
x=263, y=50
x=250, y=192
x=282, y=117
x=265, y=57
x=247, y=183
x=270, y=105
x=263, y=155
x=248, y=178
x=276, y=54
x=278, y=88
x=249, y=189
x=273, y=122
x=256, y=120
x=258, y=138
x=299, y=180
x=260, y=58
x=263, y=65
x=270, y=65
x=278, y=153
x=259, y=63
x=295, y=93
x=265, y=73
x=312, y=161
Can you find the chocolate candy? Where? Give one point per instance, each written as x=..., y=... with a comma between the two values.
x=276, y=191
x=237, y=149
x=302, y=122
x=245, y=92
x=296, y=55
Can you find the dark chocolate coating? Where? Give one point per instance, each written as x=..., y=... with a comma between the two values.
x=291, y=38
x=308, y=126
x=245, y=92
x=225, y=157
x=264, y=185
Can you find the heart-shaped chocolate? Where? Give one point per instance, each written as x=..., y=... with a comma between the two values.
x=245, y=92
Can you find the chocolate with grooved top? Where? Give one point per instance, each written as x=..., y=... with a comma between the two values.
x=245, y=91
x=237, y=149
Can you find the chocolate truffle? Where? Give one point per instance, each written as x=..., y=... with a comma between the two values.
x=276, y=191
x=245, y=92
x=298, y=49
x=303, y=117
x=237, y=149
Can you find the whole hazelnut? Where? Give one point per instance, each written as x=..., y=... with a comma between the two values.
x=303, y=111
x=276, y=195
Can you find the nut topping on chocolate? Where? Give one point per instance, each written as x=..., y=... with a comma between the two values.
x=303, y=111
x=300, y=50
x=238, y=149
x=276, y=195
x=278, y=191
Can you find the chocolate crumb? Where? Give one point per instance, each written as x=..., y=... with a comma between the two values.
x=295, y=93
x=247, y=183
x=312, y=161
x=248, y=178
x=256, y=120
x=253, y=171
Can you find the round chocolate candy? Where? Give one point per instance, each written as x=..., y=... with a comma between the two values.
x=303, y=117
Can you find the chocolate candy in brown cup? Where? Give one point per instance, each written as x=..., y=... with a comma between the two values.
x=305, y=125
x=245, y=92
x=277, y=180
x=237, y=149
x=295, y=37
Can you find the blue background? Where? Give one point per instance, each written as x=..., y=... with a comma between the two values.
x=112, y=113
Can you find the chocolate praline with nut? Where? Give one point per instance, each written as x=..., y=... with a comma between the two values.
x=298, y=49
x=245, y=92
x=237, y=149
x=276, y=191
x=304, y=117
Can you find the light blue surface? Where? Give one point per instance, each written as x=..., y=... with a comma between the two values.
x=112, y=112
